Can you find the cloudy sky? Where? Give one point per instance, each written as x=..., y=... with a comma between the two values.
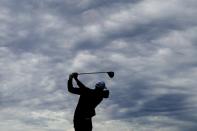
x=149, y=44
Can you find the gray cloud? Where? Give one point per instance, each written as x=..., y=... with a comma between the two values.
x=149, y=44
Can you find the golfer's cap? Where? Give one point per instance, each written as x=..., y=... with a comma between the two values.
x=100, y=85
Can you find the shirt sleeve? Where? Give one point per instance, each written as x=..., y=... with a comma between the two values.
x=72, y=89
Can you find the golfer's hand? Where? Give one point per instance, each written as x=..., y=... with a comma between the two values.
x=75, y=75
x=70, y=76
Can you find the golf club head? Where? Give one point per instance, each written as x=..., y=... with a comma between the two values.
x=110, y=74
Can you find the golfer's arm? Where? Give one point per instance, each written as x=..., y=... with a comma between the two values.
x=80, y=84
x=71, y=88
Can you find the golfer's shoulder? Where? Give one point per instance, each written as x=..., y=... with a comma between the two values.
x=105, y=93
x=87, y=90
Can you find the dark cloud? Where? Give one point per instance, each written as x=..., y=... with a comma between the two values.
x=149, y=44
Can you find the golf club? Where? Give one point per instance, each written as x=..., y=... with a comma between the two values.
x=110, y=73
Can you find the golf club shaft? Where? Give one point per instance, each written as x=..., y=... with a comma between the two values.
x=91, y=73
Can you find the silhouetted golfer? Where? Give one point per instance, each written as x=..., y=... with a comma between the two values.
x=89, y=99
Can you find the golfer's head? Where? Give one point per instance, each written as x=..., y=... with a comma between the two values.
x=100, y=85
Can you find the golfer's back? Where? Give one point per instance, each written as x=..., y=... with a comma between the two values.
x=89, y=99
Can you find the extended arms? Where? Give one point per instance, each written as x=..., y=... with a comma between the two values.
x=70, y=85
x=79, y=83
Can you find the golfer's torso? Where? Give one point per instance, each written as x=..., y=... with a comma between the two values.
x=87, y=104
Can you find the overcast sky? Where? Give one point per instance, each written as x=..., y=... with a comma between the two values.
x=149, y=44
